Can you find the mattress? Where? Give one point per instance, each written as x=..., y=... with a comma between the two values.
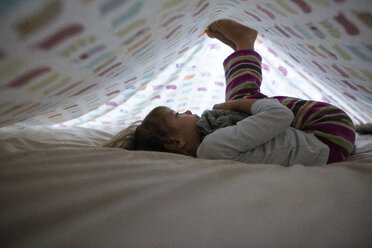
x=59, y=188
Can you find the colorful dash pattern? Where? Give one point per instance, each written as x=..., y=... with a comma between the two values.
x=104, y=64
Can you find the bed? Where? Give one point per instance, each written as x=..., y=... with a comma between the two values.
x=73, y=73
x=59, y=188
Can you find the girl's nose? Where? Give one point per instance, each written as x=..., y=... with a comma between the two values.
x=188, y=112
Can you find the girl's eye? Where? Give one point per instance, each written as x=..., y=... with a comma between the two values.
x=177, y=114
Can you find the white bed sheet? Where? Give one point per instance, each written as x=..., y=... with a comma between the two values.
x=74, y=194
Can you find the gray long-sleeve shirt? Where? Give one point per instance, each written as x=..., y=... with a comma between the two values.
x=265, y=137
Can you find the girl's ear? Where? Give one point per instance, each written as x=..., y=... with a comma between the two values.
x=177, y=144
x=180, y=143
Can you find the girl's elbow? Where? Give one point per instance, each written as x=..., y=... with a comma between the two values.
x=288, y=117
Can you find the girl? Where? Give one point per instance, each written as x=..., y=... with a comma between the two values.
x=248, y=127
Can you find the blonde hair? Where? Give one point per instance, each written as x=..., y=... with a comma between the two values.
x=125, y=138
x=151, y=134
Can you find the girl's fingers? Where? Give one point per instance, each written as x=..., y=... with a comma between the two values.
x=217, y=106
x=224, y=105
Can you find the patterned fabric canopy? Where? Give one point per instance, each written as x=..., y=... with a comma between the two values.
x=105, y=63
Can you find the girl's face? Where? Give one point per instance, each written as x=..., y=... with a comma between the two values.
x=184, y=126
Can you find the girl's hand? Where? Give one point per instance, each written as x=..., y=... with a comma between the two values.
x=224, y=105
x=242, y=104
